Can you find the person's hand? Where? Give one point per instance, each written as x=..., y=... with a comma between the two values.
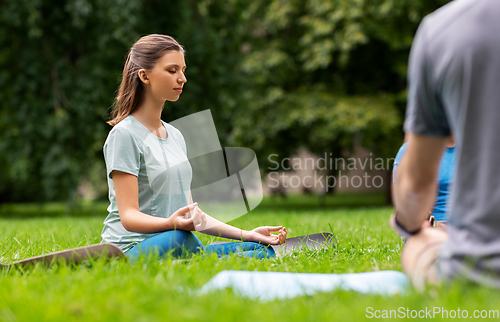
x=199, y=219
x=263, y=235
x=428, y=223
x=179, y=221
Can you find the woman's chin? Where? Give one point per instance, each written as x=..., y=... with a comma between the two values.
x=173, y=99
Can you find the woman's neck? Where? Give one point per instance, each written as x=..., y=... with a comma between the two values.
x=149, y=113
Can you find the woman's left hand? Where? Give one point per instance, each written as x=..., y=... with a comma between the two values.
x=199, y=219
x=263, y=234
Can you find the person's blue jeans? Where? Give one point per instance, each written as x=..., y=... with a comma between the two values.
x=180, y=242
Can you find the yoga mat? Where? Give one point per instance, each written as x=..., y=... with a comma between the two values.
x=310, y=242
x=268, y=286
x=314, y=241
x=75, y=255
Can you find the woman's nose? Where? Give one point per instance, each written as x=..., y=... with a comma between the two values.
x=183, y=79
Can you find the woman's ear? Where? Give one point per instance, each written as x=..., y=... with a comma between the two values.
x=143, y=76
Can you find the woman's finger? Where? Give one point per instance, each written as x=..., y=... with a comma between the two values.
x=183, y=223
x=273, y=228
x=183, y=210
x=282, y=237
x=203, y=222
x=198, y=212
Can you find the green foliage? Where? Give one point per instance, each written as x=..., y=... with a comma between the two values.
x=326, y=74
x=60, y=64
x=276, y=75
x=320, y=120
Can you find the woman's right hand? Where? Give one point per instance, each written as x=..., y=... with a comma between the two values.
x=178, y=220
x=196, y=220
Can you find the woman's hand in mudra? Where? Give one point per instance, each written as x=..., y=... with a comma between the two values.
x=195, y=220
x=199, y=218
x=263, y=235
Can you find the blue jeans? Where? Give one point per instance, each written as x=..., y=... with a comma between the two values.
x=180, y=243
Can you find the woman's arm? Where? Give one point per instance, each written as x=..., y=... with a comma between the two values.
x=220, y=229
x=259, y=234
x=127, y=199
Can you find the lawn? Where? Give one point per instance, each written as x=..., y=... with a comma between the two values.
x=158, y=290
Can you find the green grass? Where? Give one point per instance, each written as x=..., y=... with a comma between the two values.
x=150, y=290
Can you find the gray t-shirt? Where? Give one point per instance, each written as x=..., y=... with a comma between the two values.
x=162, y=169
x=454, y=87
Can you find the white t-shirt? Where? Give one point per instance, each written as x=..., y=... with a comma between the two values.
x=162, y=169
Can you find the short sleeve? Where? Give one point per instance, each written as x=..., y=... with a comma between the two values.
x=425, y=114
x=121, y=152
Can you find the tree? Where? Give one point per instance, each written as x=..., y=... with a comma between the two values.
x=60, y=62
x=326, y=74
x=60, y=65
x=277, y=75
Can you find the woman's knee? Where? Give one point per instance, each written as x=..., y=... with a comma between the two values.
x=185, y=241
x=268, y=252
x=260, y=251
x=247, y=249
x=174, y=242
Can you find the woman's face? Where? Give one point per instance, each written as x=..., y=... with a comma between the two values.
x=167, y=78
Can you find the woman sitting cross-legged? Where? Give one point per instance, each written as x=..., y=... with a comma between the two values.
x=142, y=217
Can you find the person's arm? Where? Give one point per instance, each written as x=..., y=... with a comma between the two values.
x=127, y=199
x=415, y=186
x=259, y=234
x=220, y=229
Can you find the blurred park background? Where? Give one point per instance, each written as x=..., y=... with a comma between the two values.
x=277, y=75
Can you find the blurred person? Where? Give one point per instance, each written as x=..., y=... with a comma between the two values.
x=454, y=87
x=439, y=212
x=142, y=219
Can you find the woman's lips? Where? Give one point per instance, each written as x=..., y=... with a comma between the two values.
x=178, y=90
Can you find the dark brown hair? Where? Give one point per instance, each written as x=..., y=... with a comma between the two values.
x=143, y=55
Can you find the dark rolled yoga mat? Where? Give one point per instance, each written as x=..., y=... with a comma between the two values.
x=306, y=242
x=76, y=255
